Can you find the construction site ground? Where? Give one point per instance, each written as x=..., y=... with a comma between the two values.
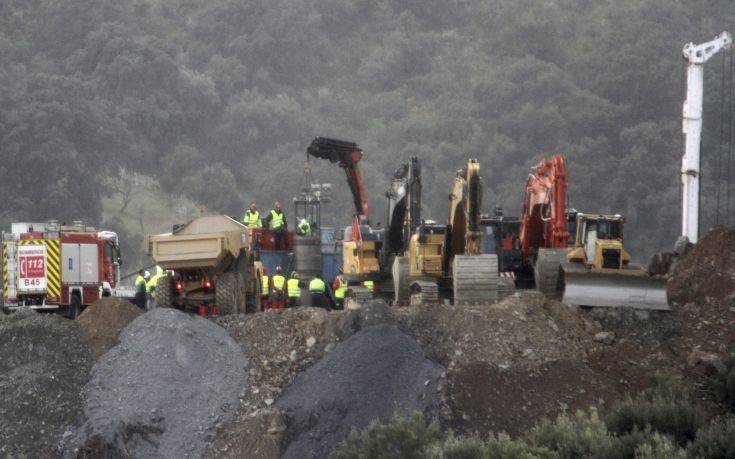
x=496, y=367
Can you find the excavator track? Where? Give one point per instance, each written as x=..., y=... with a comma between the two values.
x=547, y=272
x=475, y=279
x=424, y=291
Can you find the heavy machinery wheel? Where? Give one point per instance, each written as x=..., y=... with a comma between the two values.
x=475, y=279
x=424, y=291
x=75, y=307
x=164, y=294
x=229, y=293
x=401, y=281
x=547, y=272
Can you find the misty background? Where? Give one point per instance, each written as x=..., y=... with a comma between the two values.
x=131, y=115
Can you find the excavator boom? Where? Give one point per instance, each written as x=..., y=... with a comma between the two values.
x=347, y=155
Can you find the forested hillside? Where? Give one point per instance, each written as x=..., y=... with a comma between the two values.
x=132, y=113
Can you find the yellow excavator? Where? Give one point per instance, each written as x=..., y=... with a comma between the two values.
x=598, y=271
x=448, y=258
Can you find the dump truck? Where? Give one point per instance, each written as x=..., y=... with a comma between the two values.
x=210, y=267
x=57, y=267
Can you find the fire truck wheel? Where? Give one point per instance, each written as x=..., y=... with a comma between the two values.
x=75, y=307
x=164, y=292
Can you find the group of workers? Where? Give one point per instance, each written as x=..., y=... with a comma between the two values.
x=275, y=220
x=277, y=292
x=145, y=287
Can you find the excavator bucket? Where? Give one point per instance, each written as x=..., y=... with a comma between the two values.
x=629, y=288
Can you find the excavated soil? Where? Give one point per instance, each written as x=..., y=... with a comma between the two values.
x=103, y=321
x=280, y=344
x=377, y=373
x=163, y=389
x=44, y=362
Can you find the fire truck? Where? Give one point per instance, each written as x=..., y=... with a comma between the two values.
x=48, y=266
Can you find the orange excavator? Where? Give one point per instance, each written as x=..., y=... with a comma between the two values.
x=544, y=231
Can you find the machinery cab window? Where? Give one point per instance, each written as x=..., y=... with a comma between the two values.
x=609, y=229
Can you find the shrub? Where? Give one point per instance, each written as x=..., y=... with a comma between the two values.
x=664, y=408
x=715, y=441
x=660, y=447
x=401, y=438
x=724, y=382
x=580, y=436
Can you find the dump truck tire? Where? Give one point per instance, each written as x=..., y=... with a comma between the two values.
x=163, y=297
x=547, y=272
x=229, y=293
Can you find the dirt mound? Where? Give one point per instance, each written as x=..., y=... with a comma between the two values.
x=280, y=344
x=44, y=362
x=376, y=373
x=707, y=271
x=492, y=399
x=163, y=389
x=103, y=321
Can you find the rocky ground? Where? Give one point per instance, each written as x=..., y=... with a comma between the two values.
x=499, y=367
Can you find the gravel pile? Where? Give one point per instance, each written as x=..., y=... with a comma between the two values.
x=44, y=362
x=103, y=321
x=374, y=374
x=163, y=389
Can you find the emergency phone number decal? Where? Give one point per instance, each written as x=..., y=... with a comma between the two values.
x=31, y=267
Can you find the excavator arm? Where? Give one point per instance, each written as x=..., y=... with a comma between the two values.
x=465, y=234
x=543, y=218
x=347, y=155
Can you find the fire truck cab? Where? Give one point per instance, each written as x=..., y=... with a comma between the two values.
x=48, y=266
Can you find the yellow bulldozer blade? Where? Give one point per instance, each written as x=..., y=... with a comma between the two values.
x=630, y=288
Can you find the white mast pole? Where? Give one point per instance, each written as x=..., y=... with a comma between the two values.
x=696, y=56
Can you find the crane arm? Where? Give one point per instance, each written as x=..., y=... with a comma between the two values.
x=543, y=218
x=347, y=155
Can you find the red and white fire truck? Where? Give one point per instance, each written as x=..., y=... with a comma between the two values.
x=48, y=266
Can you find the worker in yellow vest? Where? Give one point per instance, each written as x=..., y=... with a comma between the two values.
x=251, y=219
x=318, y=290
x=140, y=288
x=294, y=290
x=276, y=221
x=278, y=297
x=340, y=289
x=265, y=290
x=370, y=285
x=150, y=288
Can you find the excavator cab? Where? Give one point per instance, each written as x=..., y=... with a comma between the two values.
x=598, y=270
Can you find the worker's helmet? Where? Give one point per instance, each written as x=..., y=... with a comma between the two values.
x=265, y=271
x=294, y=275
x=147, y=274
x=278, y=269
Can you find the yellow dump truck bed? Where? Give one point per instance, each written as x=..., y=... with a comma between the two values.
x=207, y=242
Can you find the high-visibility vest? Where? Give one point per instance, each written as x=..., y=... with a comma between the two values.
x=305, y=227
x=294, y=291
x=341, y=290
x=252, y=219
x=153, y=283
x=278, y=282
x=370, y=285
x=276, y=219
x=140, y=284
x=317, y=285
x=264, y=287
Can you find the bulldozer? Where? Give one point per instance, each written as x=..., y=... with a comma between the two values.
x=598, y=270
x=448, y=258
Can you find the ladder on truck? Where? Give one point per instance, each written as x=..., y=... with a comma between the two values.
x=10, y=268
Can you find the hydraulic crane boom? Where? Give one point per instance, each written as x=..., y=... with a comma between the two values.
x=348, y=155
